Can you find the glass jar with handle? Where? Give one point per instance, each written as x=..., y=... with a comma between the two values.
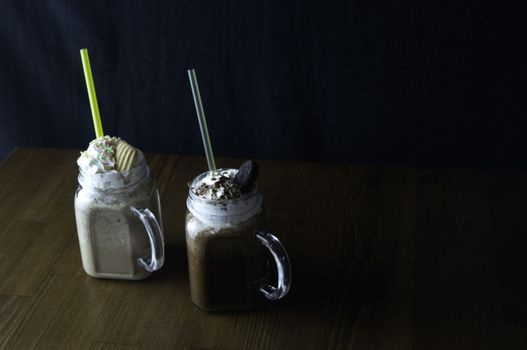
x=119, y=223
x=228, y=253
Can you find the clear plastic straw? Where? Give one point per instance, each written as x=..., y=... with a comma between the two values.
x=201, y=119
x=97, y=125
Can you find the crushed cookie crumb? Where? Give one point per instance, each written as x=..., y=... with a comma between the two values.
x=220, y=187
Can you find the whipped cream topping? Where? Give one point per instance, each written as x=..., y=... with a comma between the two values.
x=99, y=158
x=215, y=204
x=218, y=185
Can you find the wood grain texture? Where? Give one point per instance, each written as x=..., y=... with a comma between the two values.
x=383, y=257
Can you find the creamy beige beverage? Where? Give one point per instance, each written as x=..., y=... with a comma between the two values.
x=116, y=206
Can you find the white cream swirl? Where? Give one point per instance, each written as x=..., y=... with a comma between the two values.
x=212, y=206
x=100, y=156
x=218, y=185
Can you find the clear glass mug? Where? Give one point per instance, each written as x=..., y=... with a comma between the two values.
x=119, y=225
x=228, y=253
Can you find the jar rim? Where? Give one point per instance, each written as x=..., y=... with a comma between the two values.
x=114, y=181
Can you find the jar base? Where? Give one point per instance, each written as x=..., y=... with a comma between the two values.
x=234, y=308
x=118, y=276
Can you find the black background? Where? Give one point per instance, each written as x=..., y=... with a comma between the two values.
x=395, y=82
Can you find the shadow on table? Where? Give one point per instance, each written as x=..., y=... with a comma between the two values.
x=175, y=267
x=330, y=296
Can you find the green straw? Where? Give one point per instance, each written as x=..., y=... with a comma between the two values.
x=201, y=119
x=97, y=125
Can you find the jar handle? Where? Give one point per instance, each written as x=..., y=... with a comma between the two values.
x=282, y=265
x=155, y=236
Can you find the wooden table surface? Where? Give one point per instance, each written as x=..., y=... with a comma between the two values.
x=383, y=258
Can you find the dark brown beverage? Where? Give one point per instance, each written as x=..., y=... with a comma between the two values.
x=227, y=267
x=227, y=257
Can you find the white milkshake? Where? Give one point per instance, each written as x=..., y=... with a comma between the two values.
x=116, y=206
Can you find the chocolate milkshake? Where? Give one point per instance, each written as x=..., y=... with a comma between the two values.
x=119, y=236
x=228, y=262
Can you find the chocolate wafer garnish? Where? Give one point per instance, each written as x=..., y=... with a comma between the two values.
x=246, y=176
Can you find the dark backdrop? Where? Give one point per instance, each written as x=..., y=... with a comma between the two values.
x=397, y=82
